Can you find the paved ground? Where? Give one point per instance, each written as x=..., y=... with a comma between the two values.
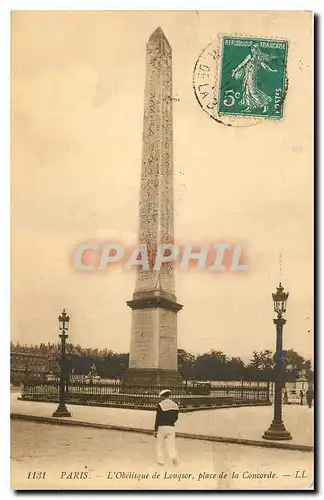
x=58, y=449
x=246, y=422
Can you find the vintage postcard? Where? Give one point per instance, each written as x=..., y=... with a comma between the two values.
x=162, y=332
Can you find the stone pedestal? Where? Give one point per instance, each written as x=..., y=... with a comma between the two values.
x=153, y=353
x=147, y=377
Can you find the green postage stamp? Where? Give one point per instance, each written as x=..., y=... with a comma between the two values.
x=252, y=77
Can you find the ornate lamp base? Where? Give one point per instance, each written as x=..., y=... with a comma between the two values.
x=61, y=411
x=277, y=432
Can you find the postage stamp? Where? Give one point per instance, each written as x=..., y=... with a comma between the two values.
x=252, y=80
x=238, y=77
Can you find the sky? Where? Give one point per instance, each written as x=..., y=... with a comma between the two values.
x=77, y=111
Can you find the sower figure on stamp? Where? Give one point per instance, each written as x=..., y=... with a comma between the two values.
x=247, y=71
x=166, y=416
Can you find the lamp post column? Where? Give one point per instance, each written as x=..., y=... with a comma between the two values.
x=279, y=382
x=62, y=410
x=277, y=430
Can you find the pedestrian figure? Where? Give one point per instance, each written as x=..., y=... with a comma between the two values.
x=301, y=395
x=286, y=397
x=166, y=415
x=309, y=397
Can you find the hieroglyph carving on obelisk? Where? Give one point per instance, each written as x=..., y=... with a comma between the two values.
x=156, y=194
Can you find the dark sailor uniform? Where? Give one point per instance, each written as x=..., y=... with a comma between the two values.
x=166, y=416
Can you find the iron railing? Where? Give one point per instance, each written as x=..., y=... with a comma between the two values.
x=120, y=394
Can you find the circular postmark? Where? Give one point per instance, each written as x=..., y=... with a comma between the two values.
x=239, y=81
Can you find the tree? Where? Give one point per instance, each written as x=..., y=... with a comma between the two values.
x=186, y=364
x=294, y=364
x=211, y=366
x=261, y=365
x=309, y=371
x=236, y=368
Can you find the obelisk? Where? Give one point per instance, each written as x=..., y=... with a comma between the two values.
x=153, y=349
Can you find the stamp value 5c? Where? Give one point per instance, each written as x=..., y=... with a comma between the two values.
x=252, y=78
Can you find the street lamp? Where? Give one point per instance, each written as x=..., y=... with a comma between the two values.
x=62, y=410
x=277, y=430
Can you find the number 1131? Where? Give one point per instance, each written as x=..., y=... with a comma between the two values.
x=36, y=475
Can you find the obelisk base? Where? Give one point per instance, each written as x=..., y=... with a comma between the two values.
x=148, y=377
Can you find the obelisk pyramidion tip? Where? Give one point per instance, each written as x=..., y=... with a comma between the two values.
x=158, y=35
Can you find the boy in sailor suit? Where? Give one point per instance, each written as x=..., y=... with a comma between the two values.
x=166, y=415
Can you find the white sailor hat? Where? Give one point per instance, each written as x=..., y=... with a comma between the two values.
x=165, y=391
